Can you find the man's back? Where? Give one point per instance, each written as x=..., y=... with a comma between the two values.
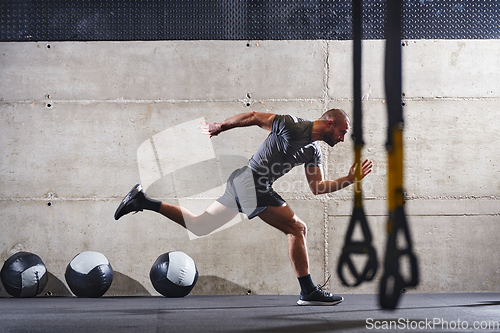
x=288, y=145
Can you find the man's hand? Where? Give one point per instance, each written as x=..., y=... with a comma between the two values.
x=366, y=168
x=212, y=129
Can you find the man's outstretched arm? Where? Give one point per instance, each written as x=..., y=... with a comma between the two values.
x=263, y=120
x=319, y=185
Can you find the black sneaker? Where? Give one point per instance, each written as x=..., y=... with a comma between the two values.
x=131, y=202
x=319, y=297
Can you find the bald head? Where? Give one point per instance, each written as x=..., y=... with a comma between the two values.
x=331, y=127
x=337, y=115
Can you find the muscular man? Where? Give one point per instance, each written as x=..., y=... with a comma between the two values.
x=292, y=141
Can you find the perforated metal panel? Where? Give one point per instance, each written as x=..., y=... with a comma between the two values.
x=84, y=20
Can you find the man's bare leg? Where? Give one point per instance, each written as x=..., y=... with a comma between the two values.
x=215, y=216
x=284, y=219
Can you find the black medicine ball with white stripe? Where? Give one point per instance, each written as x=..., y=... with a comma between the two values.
x=24, y=275
x=174, y=274
x=89, y=274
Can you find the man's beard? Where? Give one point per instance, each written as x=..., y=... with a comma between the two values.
x=329, y=140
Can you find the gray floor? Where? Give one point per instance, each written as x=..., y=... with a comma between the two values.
x=261, y=313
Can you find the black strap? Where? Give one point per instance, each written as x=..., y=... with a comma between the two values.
x=364, y=246
x=358, y=247
x=357, y=11
x=393, y=282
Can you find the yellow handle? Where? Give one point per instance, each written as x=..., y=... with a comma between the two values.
x=357, y=176
x=395, y=193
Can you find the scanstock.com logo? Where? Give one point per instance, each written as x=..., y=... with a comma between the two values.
x=181, y=163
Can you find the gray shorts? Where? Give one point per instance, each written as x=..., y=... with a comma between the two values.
x=249, y=193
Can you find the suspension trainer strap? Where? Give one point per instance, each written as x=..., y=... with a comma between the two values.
x=364, y=246
x=393, y=282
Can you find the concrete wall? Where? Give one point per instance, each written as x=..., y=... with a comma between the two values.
x=81, y=123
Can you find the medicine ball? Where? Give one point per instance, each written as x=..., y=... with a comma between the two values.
x=174, y=274
x=24, y=275
x=89, y=274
